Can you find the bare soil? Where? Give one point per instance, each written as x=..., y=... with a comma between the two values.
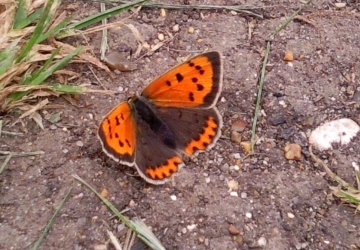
x=281, y=204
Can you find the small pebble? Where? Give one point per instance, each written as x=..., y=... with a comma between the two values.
x=291, y=215
x=355, y=166
x=65, y=151
x=184, y=231
x=237, y=156
x=162, y=12
x=277, y=120
x=173, y=197
x=340, y=5
x=131, y=203
x=233, y=230
x=289, y=56
x=202, y=239
x=79, y=143
x=176, y=28
x=243, y=195
x=100, y=247
x=225, y=168
x=282, y=103
x=238, y=126
x=104, y=193
x=248, y=215
x=246, y=145
x=53, y=127
x=233, y=185
x=207, y=242
x=207, y=180
x=191, y=30
x=234, y=194
x=191, y=227
x=161, y=36
x=293, y=152
x=236, y=168
x=262, y=242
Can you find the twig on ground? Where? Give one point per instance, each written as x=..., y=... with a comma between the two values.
x=262, y=77
x=7, y=159
x=23, y=154
x=258, y=98
x=238, y=8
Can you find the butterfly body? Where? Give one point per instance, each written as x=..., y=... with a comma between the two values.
x=174, y=115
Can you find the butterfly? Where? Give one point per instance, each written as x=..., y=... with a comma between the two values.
x=174, y=115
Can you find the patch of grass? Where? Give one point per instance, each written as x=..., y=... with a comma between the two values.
x=26, y=61
x=138, y=226
x=348, y=193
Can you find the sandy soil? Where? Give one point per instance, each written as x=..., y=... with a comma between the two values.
x=281, y=204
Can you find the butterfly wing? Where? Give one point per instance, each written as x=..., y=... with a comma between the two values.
x=154, y=160
x=194, y=83
x=117, y=134
x=193, y=129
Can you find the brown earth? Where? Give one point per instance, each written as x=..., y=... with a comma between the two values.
x=281, y=204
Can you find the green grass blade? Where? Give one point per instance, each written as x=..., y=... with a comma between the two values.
x=27, y=80
x=54, y=30
x=28, y=20
x=7, y=58
x=140, y=229
x=21, y=12
x=39, y=28
x=68, y=89
x=106, y=14
x=58, y=65
x=7, y=159
x=258, y=97
x=46, y=73
x=51, y=222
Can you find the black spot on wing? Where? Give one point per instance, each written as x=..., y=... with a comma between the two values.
x=179, y=77
x=194, y=80
x=200, y=87
x=191, y=96
x=128, y=143
x=168, y=83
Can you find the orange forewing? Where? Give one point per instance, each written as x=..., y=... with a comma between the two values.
x=193, y=83
x=117, y=134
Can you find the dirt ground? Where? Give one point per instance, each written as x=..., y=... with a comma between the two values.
x=280, y=204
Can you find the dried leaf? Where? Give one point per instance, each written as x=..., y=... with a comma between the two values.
x=38, y=119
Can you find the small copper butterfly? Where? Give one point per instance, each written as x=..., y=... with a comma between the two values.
x=174, y=115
